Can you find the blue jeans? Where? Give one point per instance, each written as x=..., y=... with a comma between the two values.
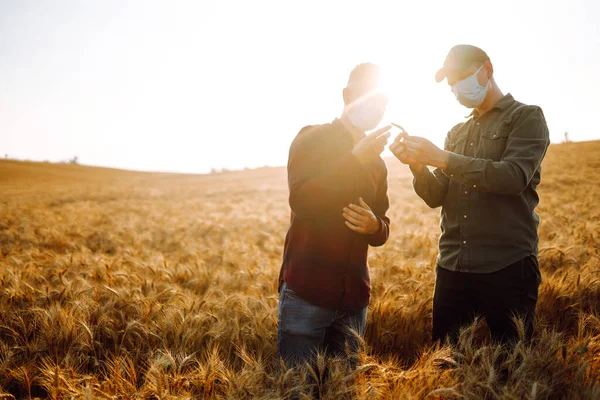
x=303, y=329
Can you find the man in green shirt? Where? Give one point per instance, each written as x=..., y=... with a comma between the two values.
x=485, y=180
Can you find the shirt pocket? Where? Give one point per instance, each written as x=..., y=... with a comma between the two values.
x=493, y=142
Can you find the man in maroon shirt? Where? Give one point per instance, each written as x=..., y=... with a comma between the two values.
x=338, y=199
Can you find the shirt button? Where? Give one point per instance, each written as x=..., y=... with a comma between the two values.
x=464, y=242
x=470, y=144
x=474, y=186
x=465, y=217
x=478, y=123
x=466, y=192
x=452, y=175
x=494, y=135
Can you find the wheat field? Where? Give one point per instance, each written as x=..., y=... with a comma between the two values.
x=128, y=285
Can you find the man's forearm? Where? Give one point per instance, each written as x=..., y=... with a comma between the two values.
x=314, y=195
x=440, y=160
x=502, y=177
x=525, y=149
x=431, y=187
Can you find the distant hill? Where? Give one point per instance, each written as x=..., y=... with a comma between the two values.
x=19, y=172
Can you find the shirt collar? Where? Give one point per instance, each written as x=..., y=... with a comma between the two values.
x=501, y=104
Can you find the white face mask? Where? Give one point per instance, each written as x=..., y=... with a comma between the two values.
x=469, y=92
x=366, y=114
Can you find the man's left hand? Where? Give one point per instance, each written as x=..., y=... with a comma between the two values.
x=360, y=218
x=425, y=152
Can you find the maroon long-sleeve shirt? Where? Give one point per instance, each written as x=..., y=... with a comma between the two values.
x=324, y=262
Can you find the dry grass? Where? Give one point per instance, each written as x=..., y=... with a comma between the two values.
x=128, y=285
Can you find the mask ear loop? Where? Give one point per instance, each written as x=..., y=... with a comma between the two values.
x=489, y=82
x=453, y=87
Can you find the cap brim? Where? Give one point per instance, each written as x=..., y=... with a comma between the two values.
x=440, y=75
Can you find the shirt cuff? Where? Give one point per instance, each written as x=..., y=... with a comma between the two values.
x=378, y=238
x=457, y=165
x=419, y=173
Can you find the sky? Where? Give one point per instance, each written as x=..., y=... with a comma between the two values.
x=188, y=86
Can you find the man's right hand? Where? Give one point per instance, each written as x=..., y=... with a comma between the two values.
x=398, y=148
x=372, y=145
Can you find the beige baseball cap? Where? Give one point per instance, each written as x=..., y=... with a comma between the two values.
x=461, y=57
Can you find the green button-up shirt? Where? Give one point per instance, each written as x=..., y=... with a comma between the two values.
x=488, y=190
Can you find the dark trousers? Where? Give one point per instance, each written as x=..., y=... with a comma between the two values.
x=498, y=296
